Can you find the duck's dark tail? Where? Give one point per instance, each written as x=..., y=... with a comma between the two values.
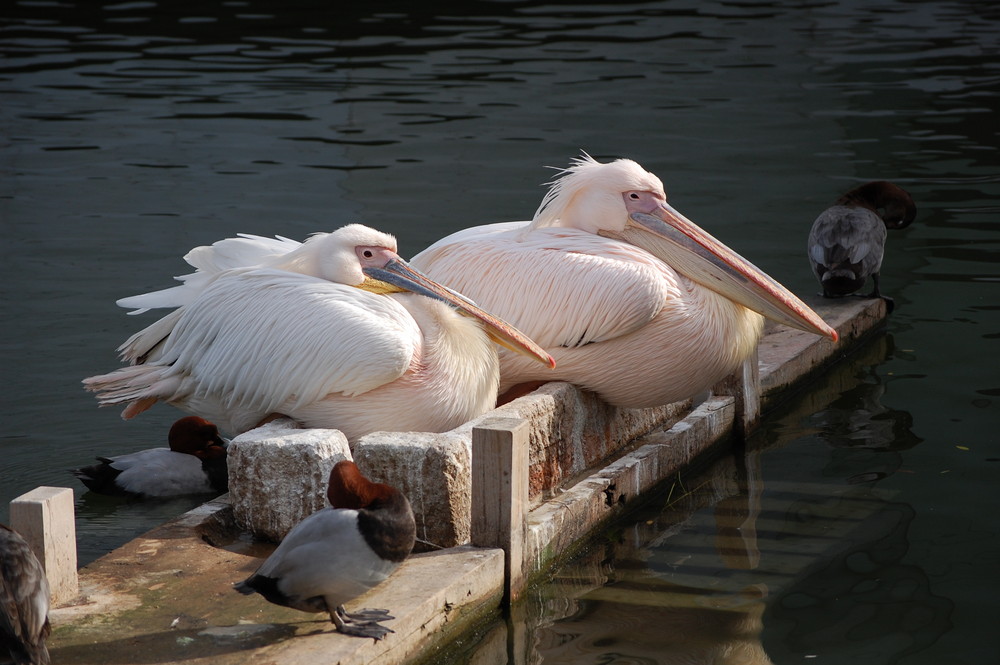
x=101, y=478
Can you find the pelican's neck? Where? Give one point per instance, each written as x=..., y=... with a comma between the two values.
x=455, y=353
x=583, y=209
x=735, y=330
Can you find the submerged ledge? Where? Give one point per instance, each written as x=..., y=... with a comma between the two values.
x=167, y=595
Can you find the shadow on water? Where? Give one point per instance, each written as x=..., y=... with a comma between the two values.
x=786, y=550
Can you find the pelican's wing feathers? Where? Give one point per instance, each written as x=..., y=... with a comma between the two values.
x=210, y=261
x=264, y=337
x=567, y=287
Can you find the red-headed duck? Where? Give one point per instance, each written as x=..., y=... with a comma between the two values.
x=24, y=602
x=195, y=463
x=340, y=552
x=847, y=240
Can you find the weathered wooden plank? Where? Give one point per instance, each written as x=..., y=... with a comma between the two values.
x=500, y=493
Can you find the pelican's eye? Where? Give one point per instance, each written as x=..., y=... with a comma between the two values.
x=368, y=254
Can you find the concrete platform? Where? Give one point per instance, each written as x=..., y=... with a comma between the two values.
x=166, y=597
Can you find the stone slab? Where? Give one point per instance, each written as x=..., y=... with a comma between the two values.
x=569, y=431
x=433, y=472
x=787, y=356
x=278, y=475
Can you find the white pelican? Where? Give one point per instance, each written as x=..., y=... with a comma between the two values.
x=335, y=332
x=340, y=552
x=847, y=240
x=634, y=301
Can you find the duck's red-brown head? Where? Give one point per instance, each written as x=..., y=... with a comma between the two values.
x=890, y=202
x=350, y=489
x=196, y=436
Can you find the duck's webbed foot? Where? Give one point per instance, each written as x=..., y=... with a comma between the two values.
x=353, y=624
x=890, y=304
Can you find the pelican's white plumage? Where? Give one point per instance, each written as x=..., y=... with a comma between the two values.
x=312, y=331
x=633, y=300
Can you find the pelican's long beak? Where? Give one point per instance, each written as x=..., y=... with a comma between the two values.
x=397, y=275
x=689, y=249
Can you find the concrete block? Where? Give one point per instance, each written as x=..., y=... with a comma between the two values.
x=572, y=430
x=278, y=475
x=45, y=518
x=569, y=431
x=433, y=471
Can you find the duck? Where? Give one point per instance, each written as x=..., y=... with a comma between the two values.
x=847, y=240
x=340, y=552
x=195, y=463
x=24, y=602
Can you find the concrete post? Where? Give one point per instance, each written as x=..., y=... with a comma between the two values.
x=45, y=518
x=744, y=386
x=500, y=493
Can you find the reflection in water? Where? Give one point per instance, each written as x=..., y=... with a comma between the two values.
x=864, y=434
x=865, y=604
x=856, y=418
x=127, y=514
x=781, y=552
x=653, y=591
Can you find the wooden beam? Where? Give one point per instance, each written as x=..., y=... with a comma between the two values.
x=744, y=386
x=500, y=493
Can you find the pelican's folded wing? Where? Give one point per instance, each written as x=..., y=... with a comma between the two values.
x=562, y=287
x=263, y=338
x=246, y=251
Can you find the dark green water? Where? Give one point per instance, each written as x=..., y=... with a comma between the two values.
x=133, y=131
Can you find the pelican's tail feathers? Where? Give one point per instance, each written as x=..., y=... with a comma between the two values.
x=139, y=347
x=138, y=386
